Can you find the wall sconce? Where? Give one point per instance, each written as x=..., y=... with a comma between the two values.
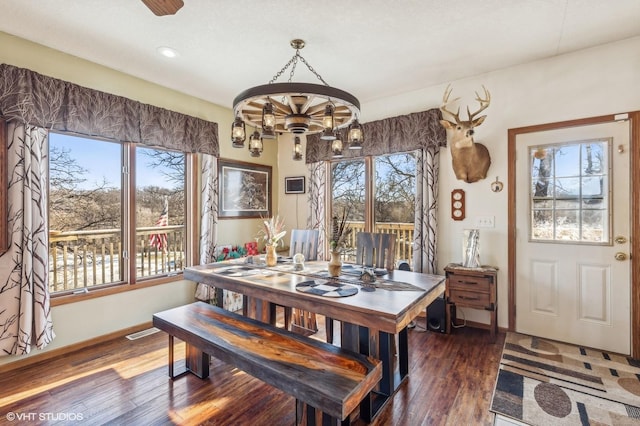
x=297, y=149
x=497, y=185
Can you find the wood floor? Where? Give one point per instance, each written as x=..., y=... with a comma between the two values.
x=125, y=382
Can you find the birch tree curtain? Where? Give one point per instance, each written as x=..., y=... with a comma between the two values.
x=317, y=190
x=25, y=314
x=32, y=104
x=419, y=132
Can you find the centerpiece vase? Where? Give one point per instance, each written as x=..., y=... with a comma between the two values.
x=271, y=258
x=335, y=264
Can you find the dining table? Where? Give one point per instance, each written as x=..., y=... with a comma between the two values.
x=374, y=306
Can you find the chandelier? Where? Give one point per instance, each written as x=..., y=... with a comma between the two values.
x=298, y=108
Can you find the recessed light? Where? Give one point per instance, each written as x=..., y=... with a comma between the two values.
x=167, y=51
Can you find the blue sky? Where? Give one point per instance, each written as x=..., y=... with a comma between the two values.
x=103, y=160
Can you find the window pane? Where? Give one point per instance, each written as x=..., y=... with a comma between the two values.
x=394, y=200
x=579, y=197
x=85, y=212
x=542, y=225
x=348, y=190
x=160, y=212
x=594, y=226
x=567, y=161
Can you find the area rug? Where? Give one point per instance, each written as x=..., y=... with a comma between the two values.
x=544, y=382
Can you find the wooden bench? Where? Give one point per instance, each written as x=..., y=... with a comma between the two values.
x=328, y=382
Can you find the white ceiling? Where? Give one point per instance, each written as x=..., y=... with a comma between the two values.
x=370, y=48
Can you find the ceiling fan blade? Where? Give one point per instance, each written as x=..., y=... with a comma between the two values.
x=164, y=7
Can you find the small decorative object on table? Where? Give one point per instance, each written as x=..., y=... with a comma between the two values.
x=368, y=276
x=335, y=264
x=340, y=232
x=272, y=232
x=298, y=262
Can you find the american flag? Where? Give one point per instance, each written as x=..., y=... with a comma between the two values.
x=159, y=241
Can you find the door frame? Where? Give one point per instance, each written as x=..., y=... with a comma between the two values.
x=634, y=151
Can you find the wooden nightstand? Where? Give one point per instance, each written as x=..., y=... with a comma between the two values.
x=472, y=288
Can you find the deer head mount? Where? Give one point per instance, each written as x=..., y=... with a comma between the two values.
x=470, y=159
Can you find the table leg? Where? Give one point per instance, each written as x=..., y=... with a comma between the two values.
x=380, y=345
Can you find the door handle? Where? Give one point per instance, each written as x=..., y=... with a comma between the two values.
x=620, y=256
x=620, y=239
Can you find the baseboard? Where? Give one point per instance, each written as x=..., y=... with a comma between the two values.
x=23, y=362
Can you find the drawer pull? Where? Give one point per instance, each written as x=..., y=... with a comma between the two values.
x=468, y=298
x=470, y=282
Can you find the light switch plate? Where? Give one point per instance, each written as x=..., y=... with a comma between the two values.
x=485, y=222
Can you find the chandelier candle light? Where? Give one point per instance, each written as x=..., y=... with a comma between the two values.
x=298, y=108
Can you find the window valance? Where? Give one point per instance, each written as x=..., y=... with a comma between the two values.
x=419, y=130
x=42, y=101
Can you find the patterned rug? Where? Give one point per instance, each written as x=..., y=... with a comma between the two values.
x=543, y=382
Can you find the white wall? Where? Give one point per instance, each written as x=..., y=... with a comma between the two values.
x=592, y=82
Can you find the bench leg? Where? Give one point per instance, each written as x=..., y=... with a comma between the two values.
x=307, y=415
x=196, y=362
x=173, y=376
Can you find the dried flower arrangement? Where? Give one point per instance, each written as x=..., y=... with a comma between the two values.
x=273, y=231
x=340, y=231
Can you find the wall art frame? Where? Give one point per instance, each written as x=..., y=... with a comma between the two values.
x=245, y=190
x=294, y=185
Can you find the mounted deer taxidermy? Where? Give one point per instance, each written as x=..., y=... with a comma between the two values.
x=470, y=159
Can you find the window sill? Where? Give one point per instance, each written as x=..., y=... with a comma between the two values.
x=108, y=291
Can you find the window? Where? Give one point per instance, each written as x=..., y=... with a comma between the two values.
x=348, y=196
x=379, y=194
x=160, y=212
x=570, y=189
x=394, y=201
x=90, y=209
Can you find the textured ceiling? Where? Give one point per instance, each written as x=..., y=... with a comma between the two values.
x=370, y=48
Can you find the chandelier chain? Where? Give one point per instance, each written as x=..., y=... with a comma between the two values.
x=294, y=61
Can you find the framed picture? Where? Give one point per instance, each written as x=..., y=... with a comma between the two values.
x=245, y=190
x=294, y=185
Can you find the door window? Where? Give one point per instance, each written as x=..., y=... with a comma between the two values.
x=570, y=192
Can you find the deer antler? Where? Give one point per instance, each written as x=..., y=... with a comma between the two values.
x=484, y=103
x=445, y=101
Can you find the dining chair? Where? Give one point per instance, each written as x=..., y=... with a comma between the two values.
x=377, y=250
x=304, y=241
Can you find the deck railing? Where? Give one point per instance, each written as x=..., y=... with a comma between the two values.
x=82, y=259
x=404, y=239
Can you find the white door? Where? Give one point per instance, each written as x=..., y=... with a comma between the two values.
x=572, y=230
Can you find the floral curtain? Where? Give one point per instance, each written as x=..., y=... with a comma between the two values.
x=25, y=312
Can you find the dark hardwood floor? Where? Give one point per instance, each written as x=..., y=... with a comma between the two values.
x=125, y=382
